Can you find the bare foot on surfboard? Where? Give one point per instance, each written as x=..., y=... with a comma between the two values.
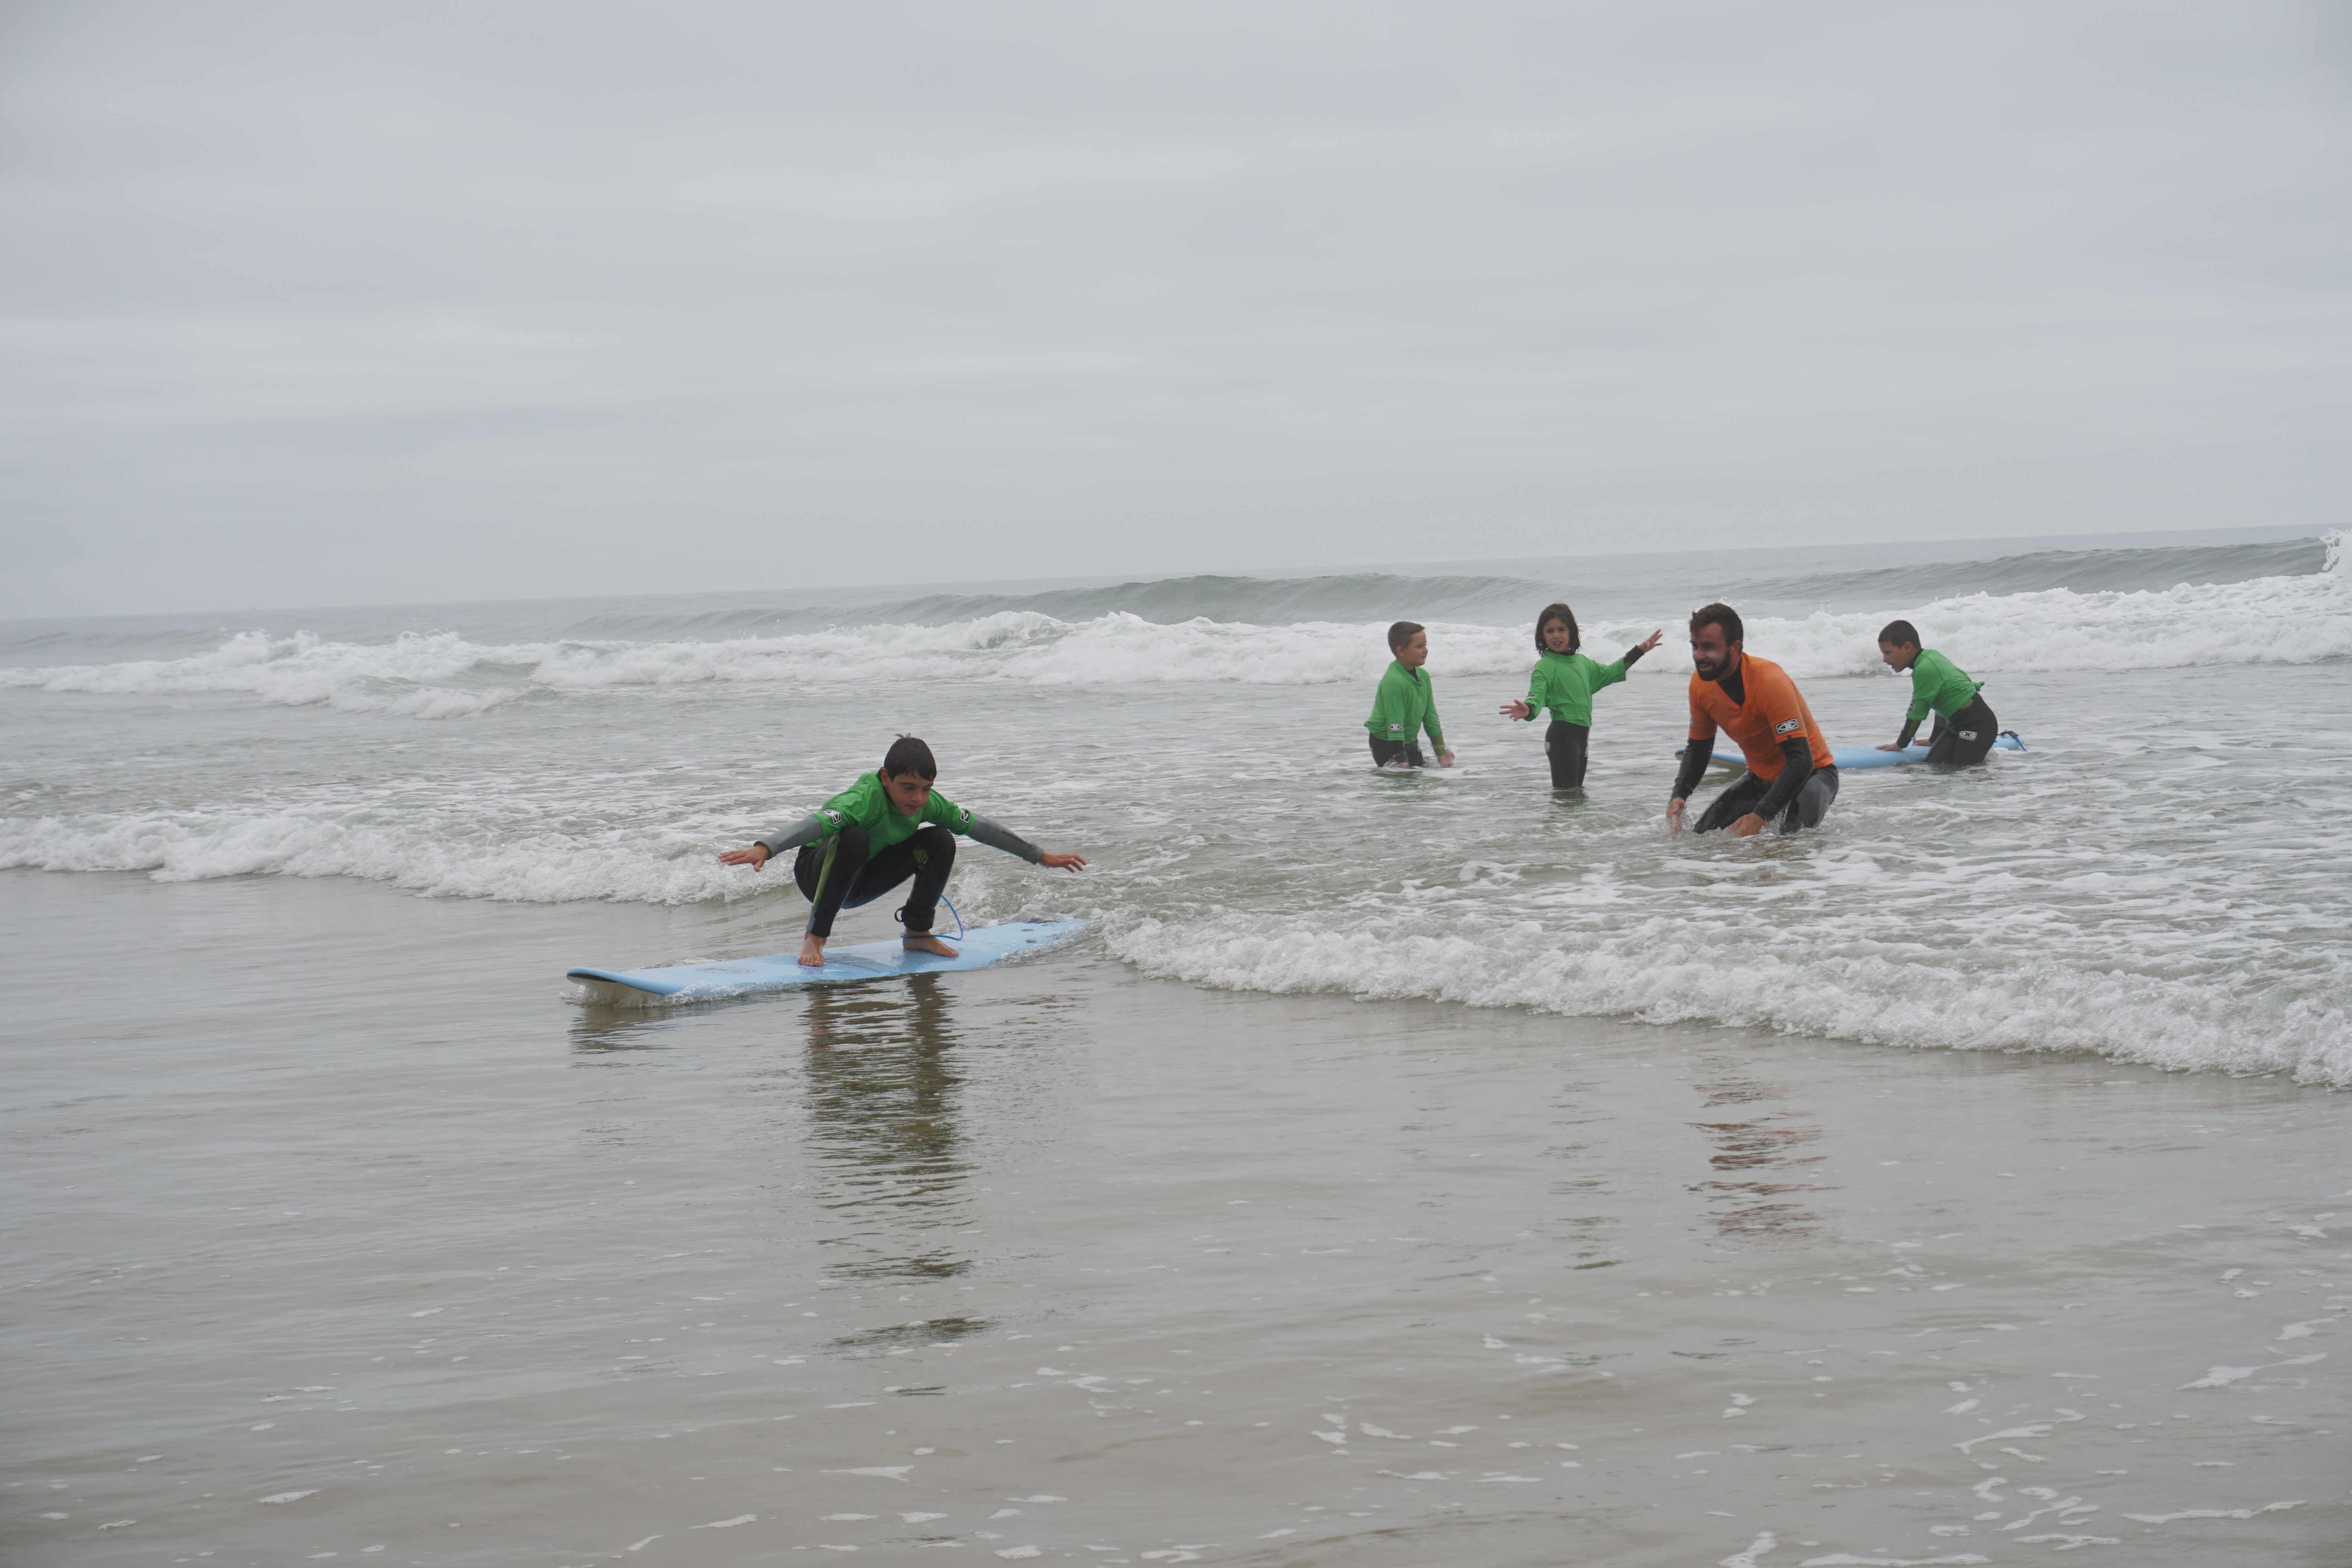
x=928, y=944
x=812, y=951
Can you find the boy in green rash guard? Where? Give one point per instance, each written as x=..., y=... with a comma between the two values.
x=888, y=826
x=1405, y=705
x=1964, y=727
x=1564, y=681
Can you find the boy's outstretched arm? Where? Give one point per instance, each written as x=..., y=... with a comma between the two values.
x=807, y=830
x=996, y=836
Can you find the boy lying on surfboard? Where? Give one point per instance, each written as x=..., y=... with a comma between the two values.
x=888, y=826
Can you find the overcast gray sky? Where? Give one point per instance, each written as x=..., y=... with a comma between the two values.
x=363, y=303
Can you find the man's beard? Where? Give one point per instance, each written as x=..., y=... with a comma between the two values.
x=1714, y=672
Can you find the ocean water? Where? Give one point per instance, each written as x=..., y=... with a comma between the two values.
x=1407, y=1169
x=2156, y=879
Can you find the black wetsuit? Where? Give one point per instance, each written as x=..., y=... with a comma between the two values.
x=1963, y=739
x=1802, y=809
x=839, y=874
x=1564, y=749
x=1387, y=753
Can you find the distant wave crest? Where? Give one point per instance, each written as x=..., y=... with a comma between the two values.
x=2296, y=619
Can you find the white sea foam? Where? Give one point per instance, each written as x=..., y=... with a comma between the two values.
x=2289, y=620
x=1706, y=965
x=452, y=855
x=440, y=858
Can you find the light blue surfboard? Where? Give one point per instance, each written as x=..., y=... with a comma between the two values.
x=975, y=948
x=1849, y=757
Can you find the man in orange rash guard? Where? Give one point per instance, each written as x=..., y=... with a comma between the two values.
x=1790, y=774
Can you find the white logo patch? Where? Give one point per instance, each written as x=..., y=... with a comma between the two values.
x=1788, y=726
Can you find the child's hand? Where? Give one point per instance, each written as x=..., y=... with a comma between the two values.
x=1063, y=862
x=1444, y=759
x=1890, y=746
x=1515, y=711
x=755, y=856
x=1652, y=641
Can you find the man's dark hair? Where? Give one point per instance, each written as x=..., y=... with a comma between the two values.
x=908, y=755
x=1898, y=633
x=1722, y=616
x=1557, y=613
x=1402, y=633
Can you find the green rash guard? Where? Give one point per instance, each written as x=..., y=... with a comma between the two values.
x=1565, y=682
x=1938, y=684
x=868, y=805
x=1405, y=704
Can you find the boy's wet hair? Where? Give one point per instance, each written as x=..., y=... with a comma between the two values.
x=908, y=755
x=1557, y=613
x=1402, y=633
x=1896, y=634
x=1722, y=616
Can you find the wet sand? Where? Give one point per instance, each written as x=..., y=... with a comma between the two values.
x=338, y=1229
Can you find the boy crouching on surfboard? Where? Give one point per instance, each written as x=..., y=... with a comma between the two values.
x=888, y=826
x=1964, y=727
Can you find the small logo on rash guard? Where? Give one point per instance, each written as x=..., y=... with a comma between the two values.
x=830, y=815
x=1788, y=726
x=964, y=817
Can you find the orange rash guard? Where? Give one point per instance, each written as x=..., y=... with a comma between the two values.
x=1775, y=711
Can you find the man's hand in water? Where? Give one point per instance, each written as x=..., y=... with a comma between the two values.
x=755, y=858
x=1063, y=862
x=1749, y=826
x=1675, y=815
x=812, y=951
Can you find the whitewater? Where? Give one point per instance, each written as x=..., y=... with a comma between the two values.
x=2156, y=880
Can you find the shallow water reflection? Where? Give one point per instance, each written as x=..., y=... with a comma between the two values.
x=1757, y=1208
x=883, y=1096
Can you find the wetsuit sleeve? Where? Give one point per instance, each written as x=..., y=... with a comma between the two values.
x=1537, y=700
x=996, y=836
x=807, y=830
x=1796, y=767
x=1695, y=760
x=1632, y=656
x=1910, y=727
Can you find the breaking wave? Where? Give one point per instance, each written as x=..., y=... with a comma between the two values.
x=2298, y=618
